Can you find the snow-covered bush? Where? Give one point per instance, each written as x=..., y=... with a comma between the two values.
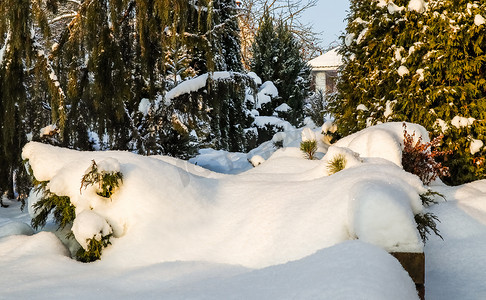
x=60, y=207
x=91, y=230
x=105, y=176
x=93, y=234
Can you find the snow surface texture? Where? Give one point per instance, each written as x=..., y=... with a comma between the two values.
x=187, y=229
x=169, y=214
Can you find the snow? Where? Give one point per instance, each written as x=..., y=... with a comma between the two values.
x=308, y=135
x=475, y=146
x=398, y=55
x=361, y=35
x=256, y=160
x=48, y=130
x=460, y=122
x=393, y=8
x=255, y=77
x=420, y=72
x=329, y=59
x=328, y=126
x=389, y=108
x=381, y=3
x=479, y=20
x=417, y=5
x=144, y=106
x=284, y=107
x=109, y=165
x=348, y=40
x=361, y=107
x=284, y=229
x=89, y=225
x=383, y=140
x=378, y=207
x=441, y=124
x=222, y=161
x=402, y=71
x=262, y=121
x=193, y=85
x=15, y=228
x=265, y=94
x=4, y=47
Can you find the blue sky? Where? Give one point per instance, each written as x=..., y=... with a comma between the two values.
x=328, y=17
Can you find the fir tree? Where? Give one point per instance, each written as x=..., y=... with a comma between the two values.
x=277, y=58
x=19, y=56
x=422, y=64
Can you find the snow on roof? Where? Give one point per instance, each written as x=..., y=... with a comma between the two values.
x=329, y=59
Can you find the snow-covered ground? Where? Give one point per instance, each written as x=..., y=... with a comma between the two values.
x=285, y=229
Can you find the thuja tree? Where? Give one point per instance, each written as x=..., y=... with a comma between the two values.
x=422, y=62
x=277, y=58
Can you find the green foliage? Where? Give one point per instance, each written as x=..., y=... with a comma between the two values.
x=90, y=75
x=106, y=182
x=95, y=249
x=428, y=198
x=426, y=224
x=309, y=148
x=444, y=52
x=61, y=207
x=278, y=144
x=277, y=58
x=336, y=164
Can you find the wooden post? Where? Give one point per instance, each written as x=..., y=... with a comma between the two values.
x=414, y=264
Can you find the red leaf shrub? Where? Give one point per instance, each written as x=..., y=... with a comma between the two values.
x=419, y=158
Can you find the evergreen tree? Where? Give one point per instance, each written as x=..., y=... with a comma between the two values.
x=277, y=58
x=19, y=59
x=105, y=58
x=407, y=61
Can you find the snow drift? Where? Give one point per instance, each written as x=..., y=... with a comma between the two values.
x=169, y=211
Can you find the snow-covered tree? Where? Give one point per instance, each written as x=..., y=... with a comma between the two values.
x=277, y=58
x=23, y=68
x=418, y=61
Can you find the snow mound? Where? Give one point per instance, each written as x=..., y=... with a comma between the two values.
x=222, y=161
x=40, y=244
x=15, y=228
x=384, y=215
x=283, y=210
x=383, y=140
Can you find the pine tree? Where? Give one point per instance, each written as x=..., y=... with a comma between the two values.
x=277, y=58
x=420, y=63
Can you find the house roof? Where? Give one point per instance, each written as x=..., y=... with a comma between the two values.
x=331, y=59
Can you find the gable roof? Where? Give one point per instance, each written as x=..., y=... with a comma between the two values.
x=330, y=59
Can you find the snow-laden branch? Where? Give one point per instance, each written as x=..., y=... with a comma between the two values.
x=4, y=48
x=53, y=80
x=65, y=16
